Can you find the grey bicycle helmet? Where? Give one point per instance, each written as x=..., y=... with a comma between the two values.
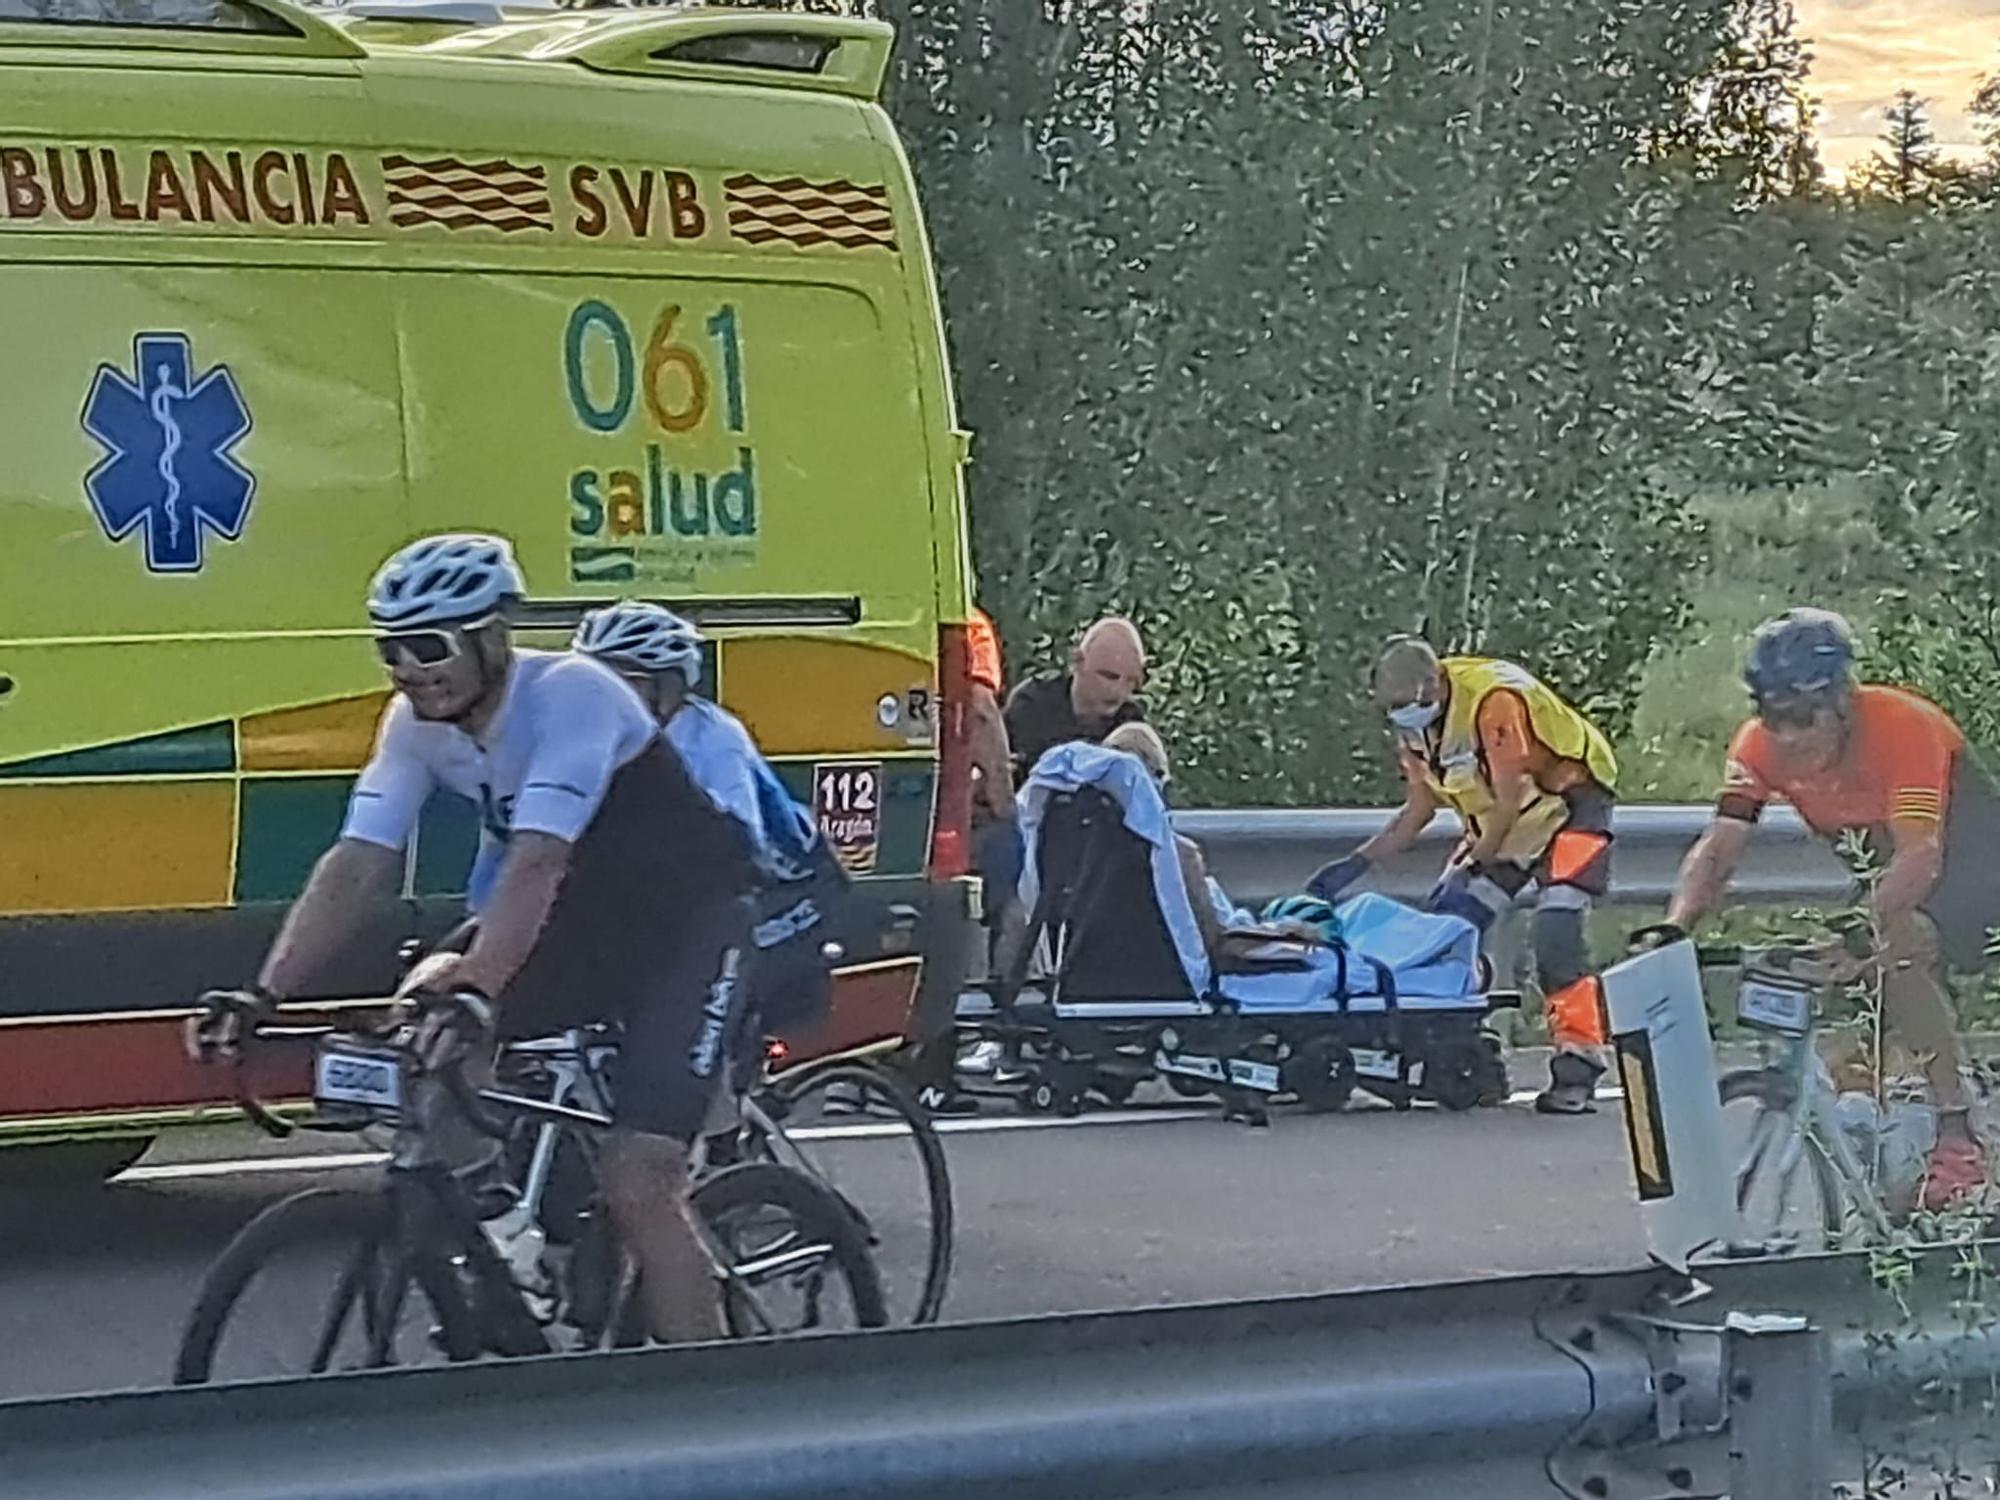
x=445, y=580
x=648, y=637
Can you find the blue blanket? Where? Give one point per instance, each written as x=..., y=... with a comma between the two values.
x=1432, y=960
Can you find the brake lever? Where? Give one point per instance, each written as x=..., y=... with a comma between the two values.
x=253, y=1107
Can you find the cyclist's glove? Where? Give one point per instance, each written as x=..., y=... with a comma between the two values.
x=453, y=1025
x=1857, y=938
x=1329, y=880
x=227, y=1017
x=1659, y=935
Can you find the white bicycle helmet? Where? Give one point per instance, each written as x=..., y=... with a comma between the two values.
x=445, y=580
x=651, y=638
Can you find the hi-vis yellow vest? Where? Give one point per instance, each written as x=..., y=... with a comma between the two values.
x=1456, y=772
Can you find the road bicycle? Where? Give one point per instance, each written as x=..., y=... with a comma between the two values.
x=844, y=1121
x=407, y=1274
x=1804, y=1181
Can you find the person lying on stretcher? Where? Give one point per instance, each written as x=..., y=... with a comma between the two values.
x=1226, y=929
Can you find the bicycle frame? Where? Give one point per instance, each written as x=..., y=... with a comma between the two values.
x=1815, y=1125
x=575, y=1062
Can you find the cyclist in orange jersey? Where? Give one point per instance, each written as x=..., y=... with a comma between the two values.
x=1892, y=766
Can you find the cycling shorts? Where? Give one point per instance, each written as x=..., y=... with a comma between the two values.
x=646, y=933
x=1965, y=903
x=677, y=1004
x=790, y=983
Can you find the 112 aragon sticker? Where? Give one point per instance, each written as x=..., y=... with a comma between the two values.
x=169, y=469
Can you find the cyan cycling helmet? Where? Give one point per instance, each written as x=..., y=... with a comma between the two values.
x=634, y=634
x=1308, y=911
x=445, y=580
x=1802, y=655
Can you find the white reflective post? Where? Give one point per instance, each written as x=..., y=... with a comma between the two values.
x=1673, y=1112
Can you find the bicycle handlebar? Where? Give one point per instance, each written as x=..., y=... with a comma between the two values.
x=261, y=1028
x=1842, y=942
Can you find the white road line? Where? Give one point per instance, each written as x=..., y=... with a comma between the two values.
x=1096, y=1117
x=252, y=1166
x=861, y=1130
x=260, y=1166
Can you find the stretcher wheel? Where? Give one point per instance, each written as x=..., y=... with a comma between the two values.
x=1467, y=1073
x=1453, y=1086
x=1048, y=1097
x=1491, y=1072
x=1116, y=1091
x=1322, y=1074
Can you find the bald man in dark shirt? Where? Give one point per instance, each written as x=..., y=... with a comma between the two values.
x=1087, y=702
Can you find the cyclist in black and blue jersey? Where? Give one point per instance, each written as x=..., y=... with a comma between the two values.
x=802, y=887
x=609, y=886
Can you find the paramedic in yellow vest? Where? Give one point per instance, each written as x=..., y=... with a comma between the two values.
x=1532, y=780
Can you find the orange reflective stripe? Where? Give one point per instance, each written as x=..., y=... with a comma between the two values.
x=1576, y=1014
x=982, y=643
x=1571, y=853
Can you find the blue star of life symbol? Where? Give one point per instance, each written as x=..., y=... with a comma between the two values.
x=168, y=466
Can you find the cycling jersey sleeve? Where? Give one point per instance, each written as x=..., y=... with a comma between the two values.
x=390, y=794
x=1921, y=754
x=588, y=725
x=1746, y=778
x=727, y=771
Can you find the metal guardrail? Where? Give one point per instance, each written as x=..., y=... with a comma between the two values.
x=1258, y=853
x=1612, y=1387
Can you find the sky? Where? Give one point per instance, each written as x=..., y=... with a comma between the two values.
x=1864, y=50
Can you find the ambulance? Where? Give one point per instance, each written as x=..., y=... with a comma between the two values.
x=647, y=291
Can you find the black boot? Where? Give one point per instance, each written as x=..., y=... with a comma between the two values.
x=1572, y=1086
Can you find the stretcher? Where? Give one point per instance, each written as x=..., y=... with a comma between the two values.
x=1114, y=985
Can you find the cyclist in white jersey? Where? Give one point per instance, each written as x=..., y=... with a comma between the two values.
x=801, y=883
x=608, y=887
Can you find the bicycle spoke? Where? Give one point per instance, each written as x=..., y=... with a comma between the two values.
x=788, y=1253
x=854, y=1130
x=350, y=1289
x=1786, y=1193
x=775, y=1263
x=383, y=1320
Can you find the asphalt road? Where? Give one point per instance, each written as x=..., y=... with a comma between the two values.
x=1116, y=1210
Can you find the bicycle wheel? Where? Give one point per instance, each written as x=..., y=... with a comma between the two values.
x=1788, y=1196
x=858, y=1131
x=320, y=1282
x=792, y=1258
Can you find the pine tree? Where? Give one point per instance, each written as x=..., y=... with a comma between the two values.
x=1749, y=113
x=1906, y=163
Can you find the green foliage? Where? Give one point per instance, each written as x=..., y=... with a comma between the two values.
x=1285, y=327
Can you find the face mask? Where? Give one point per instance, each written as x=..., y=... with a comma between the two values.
x=1414, y=717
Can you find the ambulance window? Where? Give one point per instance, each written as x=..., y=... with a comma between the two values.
x=184, y=15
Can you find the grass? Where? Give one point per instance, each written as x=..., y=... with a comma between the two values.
x=1769, y=550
